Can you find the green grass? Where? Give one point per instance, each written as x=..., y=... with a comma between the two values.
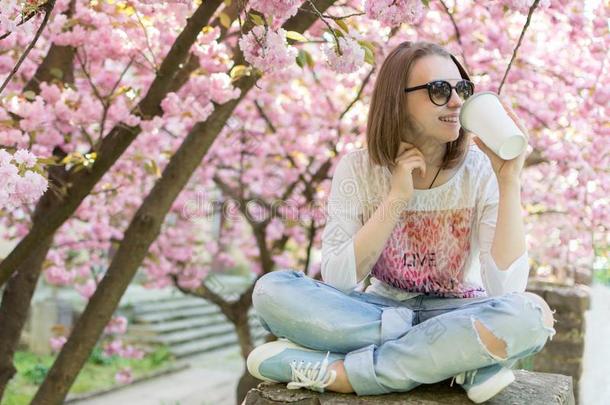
x=98, y=373
x=601, y=265
x=602, y=276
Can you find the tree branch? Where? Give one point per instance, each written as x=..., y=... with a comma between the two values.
x=48, y=7
x=527, y=23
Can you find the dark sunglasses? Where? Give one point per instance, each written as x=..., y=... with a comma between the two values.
x=439, y=91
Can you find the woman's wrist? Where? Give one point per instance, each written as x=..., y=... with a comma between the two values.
x=395, y=205
x=509, y=184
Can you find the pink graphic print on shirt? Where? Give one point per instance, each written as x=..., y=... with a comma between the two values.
x=426, y=253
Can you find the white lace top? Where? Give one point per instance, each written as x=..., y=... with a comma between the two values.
x=441, y=246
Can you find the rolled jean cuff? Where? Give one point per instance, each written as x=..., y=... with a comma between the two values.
x=360, y=370
x=395, y=322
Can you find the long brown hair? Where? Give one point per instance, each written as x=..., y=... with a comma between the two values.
x=388, y=119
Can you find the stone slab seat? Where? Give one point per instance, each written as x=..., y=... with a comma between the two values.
x=531, y=388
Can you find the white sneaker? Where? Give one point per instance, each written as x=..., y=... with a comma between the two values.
x=484, y=383
x=286, y=361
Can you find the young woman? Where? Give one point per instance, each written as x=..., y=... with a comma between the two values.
x=435, y=224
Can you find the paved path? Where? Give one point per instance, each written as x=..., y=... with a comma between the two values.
x=211, y=380
x=595, y=379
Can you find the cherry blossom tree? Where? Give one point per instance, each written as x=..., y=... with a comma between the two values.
x=72, y=170
x=259, y=100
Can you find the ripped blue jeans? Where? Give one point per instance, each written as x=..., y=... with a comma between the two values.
x=394, y=346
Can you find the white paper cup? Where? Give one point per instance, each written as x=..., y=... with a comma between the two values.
x=484, y=115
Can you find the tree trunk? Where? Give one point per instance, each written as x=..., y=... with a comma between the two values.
x=14, y=309
x=58, y=57
x=20, y=288
x=246, y=344
x=247, y=381
x=142, y=232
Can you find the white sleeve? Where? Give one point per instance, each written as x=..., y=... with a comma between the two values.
x=343, y=220
x=496, y=281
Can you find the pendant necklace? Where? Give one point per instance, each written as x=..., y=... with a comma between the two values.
x=439, y=170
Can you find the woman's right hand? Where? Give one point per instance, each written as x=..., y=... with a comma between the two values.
x=408, y=159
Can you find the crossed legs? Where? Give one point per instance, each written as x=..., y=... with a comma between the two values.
x=321, y=317
x=495, y=345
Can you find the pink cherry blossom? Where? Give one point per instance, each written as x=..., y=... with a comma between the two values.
x=279, y=9
x=5, y=158
x=523, y=6
x=8, y=11
x=395, y=12
x=351, y=58
x=220, y=88
x=112, y=347
x=131, y=352
x=58, y=276
x=87, y=289
x=124, y=376
x=57, y=343
x=117, y=325
x=267, y=50
x=20, y=189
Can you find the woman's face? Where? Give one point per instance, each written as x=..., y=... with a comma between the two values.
x=423, y=113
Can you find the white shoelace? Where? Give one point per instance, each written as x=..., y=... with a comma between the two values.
x=461, y=377
x=313, y=377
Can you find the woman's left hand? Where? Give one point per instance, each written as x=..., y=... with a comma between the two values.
x=506, y=170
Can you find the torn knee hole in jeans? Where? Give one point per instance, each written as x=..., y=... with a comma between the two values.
x=489, y=336
x=543, y=323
